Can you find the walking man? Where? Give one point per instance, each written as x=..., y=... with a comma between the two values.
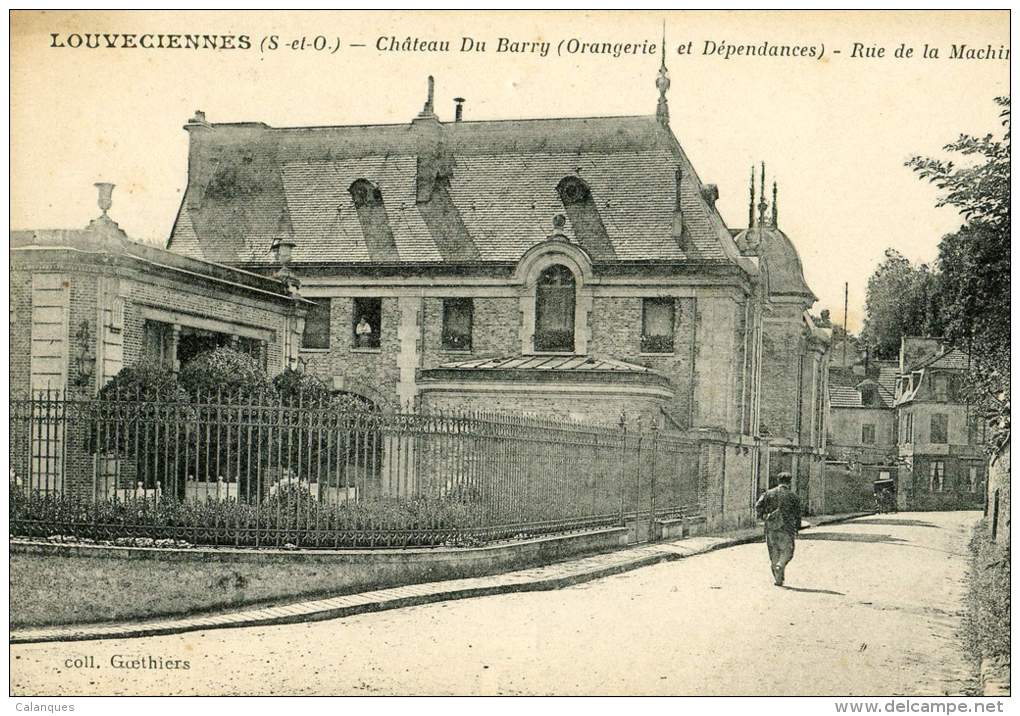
x=780, y=509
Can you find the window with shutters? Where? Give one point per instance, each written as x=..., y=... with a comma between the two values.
x=658, y=323
x=868, y=434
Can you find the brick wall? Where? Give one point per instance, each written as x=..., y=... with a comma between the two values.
x=495, y=332
x=616, y=333
x=376, y=369
x=20, y=330
x=578, y=406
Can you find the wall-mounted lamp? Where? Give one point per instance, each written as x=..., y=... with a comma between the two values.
x=84, y=363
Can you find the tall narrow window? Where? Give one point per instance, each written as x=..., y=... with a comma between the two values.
x=936, y=475
x=367, y=320
x=941, y=383
x=939, y=429
x=156, y=340
x=554, y=310
x=458, y=316
x=975, y=430
x=316, y=335
x=657, y=325
x=868, y=434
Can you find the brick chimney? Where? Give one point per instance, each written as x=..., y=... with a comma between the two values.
x=433, y=161
x=198, y=130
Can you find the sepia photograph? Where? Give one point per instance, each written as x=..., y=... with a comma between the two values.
x=510, y=353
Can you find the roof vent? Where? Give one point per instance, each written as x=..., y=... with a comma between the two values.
x=458, y=110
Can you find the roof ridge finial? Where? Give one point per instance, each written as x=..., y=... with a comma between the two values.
x=762, y=204
x=750, y=204
x=662, y=84
x=775, y=204
x=663, y=65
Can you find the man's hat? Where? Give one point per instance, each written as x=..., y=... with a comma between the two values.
x=784, y=477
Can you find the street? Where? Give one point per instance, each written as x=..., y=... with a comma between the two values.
x=871, y=607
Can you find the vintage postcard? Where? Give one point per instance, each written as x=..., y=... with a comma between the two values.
x=510, y=353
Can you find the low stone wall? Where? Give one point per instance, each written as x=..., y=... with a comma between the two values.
x=74, y=584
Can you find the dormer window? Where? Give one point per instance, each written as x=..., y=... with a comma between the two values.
x=365, y=193
x=573, y=191
x=555, y=301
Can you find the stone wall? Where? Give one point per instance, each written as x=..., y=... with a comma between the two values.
x=845, y=427
x=997, y=505
x=783, y=357
x=123, y=583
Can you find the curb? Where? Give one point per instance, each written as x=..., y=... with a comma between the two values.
x=298, y=616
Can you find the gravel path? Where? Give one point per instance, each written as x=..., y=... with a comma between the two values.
x=872, y=607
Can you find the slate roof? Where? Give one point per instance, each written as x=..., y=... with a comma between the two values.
x=786, y=273
x=887, y=374
x=499, y=201
x=841, y=396
x=953, y=358
x=548, y=363
x=845, y=386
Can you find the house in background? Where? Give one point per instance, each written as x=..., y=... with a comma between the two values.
x=942, y=438
x=861, y=445
x=908, y=420
x=576, y=268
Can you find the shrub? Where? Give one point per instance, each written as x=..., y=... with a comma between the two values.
x=987, y=623
x=146, y=380
x=291, y=507
x=296, y=387
x=225, y=372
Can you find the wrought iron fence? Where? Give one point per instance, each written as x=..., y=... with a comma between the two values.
x=260, y=472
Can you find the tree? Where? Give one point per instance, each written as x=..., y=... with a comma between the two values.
x=972, y=286
x=899, y=302
x=980, y=190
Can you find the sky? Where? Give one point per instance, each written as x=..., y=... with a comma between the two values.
x=834, y=132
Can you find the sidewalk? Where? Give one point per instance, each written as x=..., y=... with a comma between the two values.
x=552, y=576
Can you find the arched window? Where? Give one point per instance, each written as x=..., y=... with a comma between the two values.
x=365, y=193
x=554, y=310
